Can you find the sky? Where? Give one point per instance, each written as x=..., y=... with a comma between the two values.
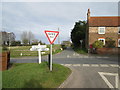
x=40, y=16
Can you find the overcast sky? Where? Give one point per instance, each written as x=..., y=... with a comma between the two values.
x=39, y=16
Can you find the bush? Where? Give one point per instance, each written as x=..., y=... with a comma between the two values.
x=35, y=43
x=16, y=43
x=98, y=44
x=4, y=48
x=110, y=43
x=63, y=46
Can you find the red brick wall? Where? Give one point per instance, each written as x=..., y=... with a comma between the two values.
x=5, y=60
x=108, y=51
x=111, y=32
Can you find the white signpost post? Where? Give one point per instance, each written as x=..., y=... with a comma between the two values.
x=51, y=35
x=39, y=48
x=81, y=42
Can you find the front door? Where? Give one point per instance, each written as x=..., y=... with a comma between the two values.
x=118, y=42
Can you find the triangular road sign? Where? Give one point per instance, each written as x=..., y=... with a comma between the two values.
x=51, y=35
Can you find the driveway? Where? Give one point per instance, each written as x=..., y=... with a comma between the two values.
x=88, y=71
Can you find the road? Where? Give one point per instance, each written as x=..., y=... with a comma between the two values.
x=88, y=71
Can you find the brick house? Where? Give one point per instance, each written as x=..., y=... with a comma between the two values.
x=101, y=27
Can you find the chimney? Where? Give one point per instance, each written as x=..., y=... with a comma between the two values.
x=88, y=14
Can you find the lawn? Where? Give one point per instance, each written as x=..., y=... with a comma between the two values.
x=33, y=75
x=22, y=51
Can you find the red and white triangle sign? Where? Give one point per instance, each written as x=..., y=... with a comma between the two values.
x=51, y=35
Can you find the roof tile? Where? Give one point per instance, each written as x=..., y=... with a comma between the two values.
x=104, y=21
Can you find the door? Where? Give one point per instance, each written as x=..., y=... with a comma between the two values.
x=118, y=42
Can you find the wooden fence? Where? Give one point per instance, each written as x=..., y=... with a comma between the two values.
x=4, y=60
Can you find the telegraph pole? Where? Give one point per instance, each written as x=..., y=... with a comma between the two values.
x=9, y=39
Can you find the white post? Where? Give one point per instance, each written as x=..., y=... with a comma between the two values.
x=39, y=53
x=50, y=57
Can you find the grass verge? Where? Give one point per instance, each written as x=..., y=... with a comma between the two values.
x=80, y=51
x=33, y=75
x=23, y=51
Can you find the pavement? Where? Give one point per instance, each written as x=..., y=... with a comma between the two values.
x=88, y=71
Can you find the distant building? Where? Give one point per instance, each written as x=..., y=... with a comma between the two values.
x=7, y=37
x=101, y=27
x=66, y=43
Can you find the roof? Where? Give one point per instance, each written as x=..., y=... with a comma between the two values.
x=104, y=21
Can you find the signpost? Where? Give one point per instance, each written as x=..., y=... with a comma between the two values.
x=51, y=35
x=81, y=42
x=39, y=48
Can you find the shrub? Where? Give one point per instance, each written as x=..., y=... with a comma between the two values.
x=63, y=46
x=98, y=44
x=16, y=43
x=4, y=48
x=109, y=43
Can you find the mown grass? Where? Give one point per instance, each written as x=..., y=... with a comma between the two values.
x=33, y=75
x=22, y=51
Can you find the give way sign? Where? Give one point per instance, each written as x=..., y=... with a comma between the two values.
x=51, y=35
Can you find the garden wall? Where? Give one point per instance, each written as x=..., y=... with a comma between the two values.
x=108, y=51
x=4, y=60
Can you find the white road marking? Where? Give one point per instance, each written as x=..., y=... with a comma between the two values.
x=68, y=64
x=73, y=54
x=106, y=80
x=76, y=64
x=94, y=65
x=114, y=65
x=102, y=57
x=104, y=65
x=86, y=65
x=76, y=54
x=68, y=56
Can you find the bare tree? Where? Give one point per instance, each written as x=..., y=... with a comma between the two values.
x=24, y=38
x=27, y=37
x=30, y=37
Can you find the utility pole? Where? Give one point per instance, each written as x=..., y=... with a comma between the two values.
x=9, y=39
x=58, y=37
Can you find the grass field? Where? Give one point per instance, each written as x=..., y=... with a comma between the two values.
x=22, y=51
x=33, y=75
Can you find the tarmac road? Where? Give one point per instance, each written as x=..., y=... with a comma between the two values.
x=88, y=71
x=70, y=57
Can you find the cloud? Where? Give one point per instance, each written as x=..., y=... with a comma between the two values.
x=60, y=0
x=37, y=17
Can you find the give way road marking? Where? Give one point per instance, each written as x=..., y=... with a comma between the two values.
x=102, y=74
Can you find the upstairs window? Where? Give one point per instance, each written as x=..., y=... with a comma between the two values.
x=118, y=30
x=101, y=30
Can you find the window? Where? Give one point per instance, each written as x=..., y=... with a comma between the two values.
x=118, y=30
x=118, y=42
x=102, y=39
x=101, y=30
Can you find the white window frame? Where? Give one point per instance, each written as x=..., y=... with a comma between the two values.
x=118, y=42
x=99, y=30
x=118, y=30
x=103, y=40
